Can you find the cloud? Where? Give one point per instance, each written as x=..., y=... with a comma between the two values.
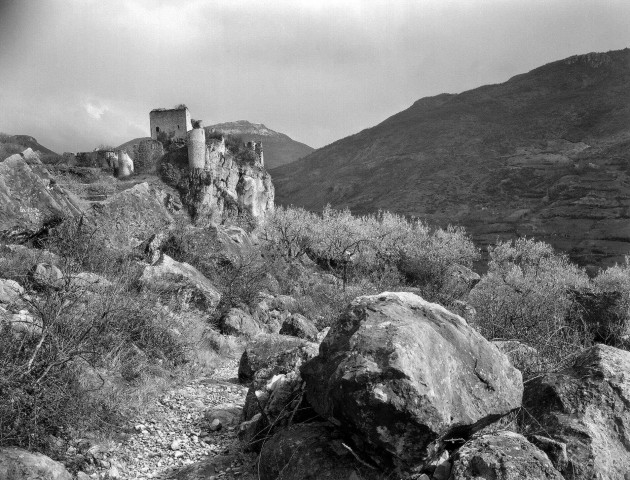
x=76, y=73
x=94, y=111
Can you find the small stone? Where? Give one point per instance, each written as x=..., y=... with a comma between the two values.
x=82, y=476
x=113, y=472
x=176, y=445
x=179, y=454
x=215, y=425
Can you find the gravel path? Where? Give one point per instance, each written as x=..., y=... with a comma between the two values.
x=175, y=433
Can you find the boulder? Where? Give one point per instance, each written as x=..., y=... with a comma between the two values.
x=237, y=322
x=228, y=415
x=460, y=280
x=312, y=451
x=128, y=218
x=170, y=276
x=555, y=450
x=277, y=405
x=45, y=275
x=408, y=377
x=272, y=354
x=30, y=198
x=17, y=464
x=502, y=456
x=22, y=322
x=299, y=326
x=10, y=291
x=522, y=356
x=585, y=406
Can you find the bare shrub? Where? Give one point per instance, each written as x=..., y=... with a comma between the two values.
x=526, y=296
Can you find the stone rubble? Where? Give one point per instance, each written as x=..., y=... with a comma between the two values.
x=176, y=432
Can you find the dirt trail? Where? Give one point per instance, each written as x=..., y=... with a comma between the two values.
x=174, y=433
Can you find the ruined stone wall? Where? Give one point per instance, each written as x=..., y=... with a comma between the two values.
x=175, y=122
x=100, y=159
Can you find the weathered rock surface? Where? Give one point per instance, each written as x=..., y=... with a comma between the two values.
x=30, y=199
x=225, y=187
x=47, y=275
x=272, y=354
x=17, y=464
x=237, y=322
x=299, y=326
x=522, y=356
x=407, y=376
x=502, y=456
x=311, y=451
x=170, y=276
x=10, y=291
x=586, y=407
x=128, y=218
x=460, y=280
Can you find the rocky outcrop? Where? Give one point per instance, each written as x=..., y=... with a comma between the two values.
x=299, y=326
x=314, y=451
x=502, y=456
x=408, y=378
x=128, y=218
x=586, y=407
x=237, y=322
x=272, y=354
x=271, y=364
x=522, y=356
x=460, y=280
x=17, y=464
x=216, y=184
x=30, y=199
x=171, y=277
x=10, y=291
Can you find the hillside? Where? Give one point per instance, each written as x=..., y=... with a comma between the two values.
x=10, y=144
x=279, y=148
x=545, y=154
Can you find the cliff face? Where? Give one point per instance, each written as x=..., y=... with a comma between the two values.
x=545, y=154
x=219, y=185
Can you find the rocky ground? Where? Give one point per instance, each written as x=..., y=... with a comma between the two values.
x=178, y=431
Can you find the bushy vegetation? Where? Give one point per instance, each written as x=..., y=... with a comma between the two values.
x=84, y=354
x=527, y=296
x=385, y=248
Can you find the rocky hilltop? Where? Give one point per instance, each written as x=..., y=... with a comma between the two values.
x=545, y=154
x=280, y=149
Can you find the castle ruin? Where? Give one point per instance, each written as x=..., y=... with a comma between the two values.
x=174, y=123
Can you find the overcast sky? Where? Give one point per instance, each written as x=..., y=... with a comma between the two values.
x=79, y=73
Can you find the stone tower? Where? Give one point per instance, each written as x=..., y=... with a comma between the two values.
x=175, y=122
x=197, y=147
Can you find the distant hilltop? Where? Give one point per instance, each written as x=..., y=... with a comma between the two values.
x=280, y=149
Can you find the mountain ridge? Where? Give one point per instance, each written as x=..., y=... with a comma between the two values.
x=505, y=160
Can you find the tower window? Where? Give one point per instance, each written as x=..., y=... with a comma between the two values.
x=177, y=127
x=157, y=129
